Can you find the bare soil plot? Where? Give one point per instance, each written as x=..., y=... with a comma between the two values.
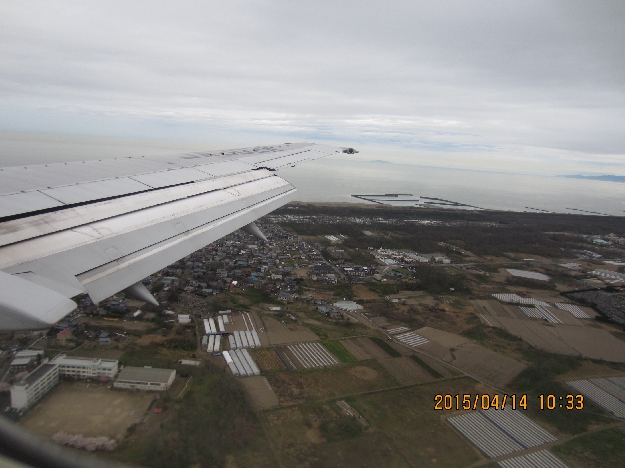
x=446, y=339
x=146, y=340
x=279, y=333
x=436, y=350
x=362, y=292
x=485, y=364
x=357, y=351
x=235, y=323
x=267, y=359
x=370, y=348
x=405, y=370
x=564, y=316
x=591, y=342
x=260, y=392
x=380, y=321
x=329, y=382
x=442, y=369
x=535, y=333
x=472, y=358
x=497, y=309
x=88, y=409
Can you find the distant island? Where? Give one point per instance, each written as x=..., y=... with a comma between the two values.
x=605, y=178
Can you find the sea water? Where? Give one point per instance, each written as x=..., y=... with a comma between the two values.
x=335, y=180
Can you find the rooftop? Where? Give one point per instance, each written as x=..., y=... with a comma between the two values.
x=38, y=373
x=145, y=374
x=83, y=361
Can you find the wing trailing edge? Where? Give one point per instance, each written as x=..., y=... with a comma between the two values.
x=104, y=235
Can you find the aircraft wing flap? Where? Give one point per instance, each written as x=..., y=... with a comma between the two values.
x=102, y=226
x=171, y=177
x=21, y=202
x=88, y=191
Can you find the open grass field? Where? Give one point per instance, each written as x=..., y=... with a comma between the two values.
x=341, y=353
x=88, y=409
x=416, y=430
x=302, y=438
x=310, y=385
x=404, y=430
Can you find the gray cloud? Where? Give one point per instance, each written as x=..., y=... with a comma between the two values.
x=534, y=79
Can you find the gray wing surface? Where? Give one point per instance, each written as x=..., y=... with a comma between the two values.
x=100, y=227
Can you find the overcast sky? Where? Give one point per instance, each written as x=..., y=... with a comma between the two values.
x=529, y=85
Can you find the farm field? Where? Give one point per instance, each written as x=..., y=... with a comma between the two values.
x=88, y=409
x=309, y=355
x=405, y=370
x=267, y=359
x=300, y=435
x=308, y=385
x=353, y=346
x=499, y=432
x=487, y=365
x=594, y=343
x=419, y=433
x=279, y=333
x=337, y=348
x=260, y=392
x=385, y=347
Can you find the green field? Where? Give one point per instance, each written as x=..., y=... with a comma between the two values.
x=339, y=351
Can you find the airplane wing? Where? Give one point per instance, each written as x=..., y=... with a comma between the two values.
x=100, y=227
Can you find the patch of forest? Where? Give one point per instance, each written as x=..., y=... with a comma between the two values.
x=480, y=232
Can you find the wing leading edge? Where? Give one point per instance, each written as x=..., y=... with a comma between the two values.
x=121, y=221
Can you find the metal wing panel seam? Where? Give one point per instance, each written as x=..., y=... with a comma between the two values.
x=182, y=238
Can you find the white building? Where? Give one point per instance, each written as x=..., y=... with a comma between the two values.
x=34, y=386
x=145, y=378
x=85, y=367
x=349, y=306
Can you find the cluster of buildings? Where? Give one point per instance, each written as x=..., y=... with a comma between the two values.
x=610, y=239
x=395, y=257
x=42, y=375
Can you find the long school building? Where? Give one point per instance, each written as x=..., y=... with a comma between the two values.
x=85, y=367
x=145, y=378
x=34, y=386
